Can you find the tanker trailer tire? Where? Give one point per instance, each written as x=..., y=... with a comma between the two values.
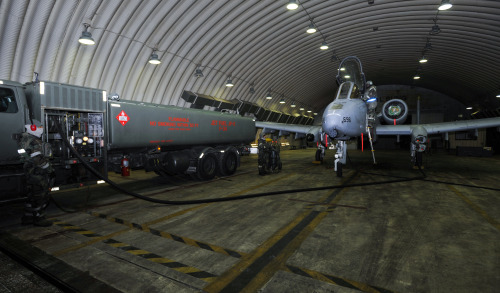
x=207, y=167
x=228, y=162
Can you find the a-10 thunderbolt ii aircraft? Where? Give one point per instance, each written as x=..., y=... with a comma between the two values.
x=352, y=113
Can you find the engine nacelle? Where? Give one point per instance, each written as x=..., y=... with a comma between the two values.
x=395, y=111
x=310, y=137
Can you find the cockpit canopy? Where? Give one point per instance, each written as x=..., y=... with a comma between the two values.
x=350, y=69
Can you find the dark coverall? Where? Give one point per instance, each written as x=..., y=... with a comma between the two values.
x=38, y=173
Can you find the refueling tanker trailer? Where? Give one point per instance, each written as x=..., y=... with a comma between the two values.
x=104, y=131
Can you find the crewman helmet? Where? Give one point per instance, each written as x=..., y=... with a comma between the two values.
x=35, y=129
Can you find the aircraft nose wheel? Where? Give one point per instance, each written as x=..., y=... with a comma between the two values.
x=339, y=169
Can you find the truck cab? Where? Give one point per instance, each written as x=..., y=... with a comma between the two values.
x=12, y=120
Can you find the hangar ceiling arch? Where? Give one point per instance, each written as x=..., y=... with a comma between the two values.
x=257, y=44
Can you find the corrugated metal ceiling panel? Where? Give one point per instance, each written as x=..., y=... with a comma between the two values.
x=253, y=42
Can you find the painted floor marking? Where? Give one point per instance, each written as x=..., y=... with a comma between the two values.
x=181, y=239
x=476, y=208
x=172, y=264
x=335, y=280
x=253, y=271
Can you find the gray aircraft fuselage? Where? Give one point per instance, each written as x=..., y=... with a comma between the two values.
x=345, y=117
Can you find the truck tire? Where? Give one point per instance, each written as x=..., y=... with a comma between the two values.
x=207, y=167
x=228, y=162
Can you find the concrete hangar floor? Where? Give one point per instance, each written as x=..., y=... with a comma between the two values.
x=382, y=229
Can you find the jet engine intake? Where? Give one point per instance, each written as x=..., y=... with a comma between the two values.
x=395, y=111
x=310, y=137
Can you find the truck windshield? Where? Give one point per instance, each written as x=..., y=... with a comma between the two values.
x=7, y=101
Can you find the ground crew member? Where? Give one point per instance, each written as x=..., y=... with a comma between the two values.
x=39, y=174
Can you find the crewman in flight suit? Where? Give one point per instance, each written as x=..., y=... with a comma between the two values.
x=39, y=174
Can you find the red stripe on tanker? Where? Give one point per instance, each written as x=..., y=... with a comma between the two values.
x=137, y=124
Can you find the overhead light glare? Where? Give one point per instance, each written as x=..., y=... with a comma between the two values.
x=301, y=109
x=229, y=82
x=309, y=111
x=86, y=37
x=323, y=46
x=416, y=76
x=498, y=96
x=311, y=29
x=282, y=101
x=468, y=108
x=292, y=5
x=153, y=59
x=293, y=105
x=268, y=96
x=445, y=5
x=423, y=60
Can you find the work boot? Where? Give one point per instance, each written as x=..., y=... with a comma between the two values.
x=41, y=222
x=27, y=220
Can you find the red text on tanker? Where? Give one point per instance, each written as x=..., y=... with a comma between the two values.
x=223, y=125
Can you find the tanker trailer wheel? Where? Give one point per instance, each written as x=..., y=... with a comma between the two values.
x=228, y=161
x=207, y=166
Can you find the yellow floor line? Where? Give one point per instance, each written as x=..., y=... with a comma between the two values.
x=476, y=208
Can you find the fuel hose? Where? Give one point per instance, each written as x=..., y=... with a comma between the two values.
x=212, y=200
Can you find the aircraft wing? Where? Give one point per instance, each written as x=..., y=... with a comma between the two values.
x=442, y=127
x=284, y=129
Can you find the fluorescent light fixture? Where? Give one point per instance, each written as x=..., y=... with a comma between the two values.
x=311, y=29
x=293, y=105
x=416, y=76
x=468, y=108
x=498, y=96
x=198, y=73
x=101, y=181
x=86, y=37
x=347, y=76
x=268, y=96
x=309, y=111
x=153, y=59
x=423, y=60
x=445, y=5
x=301, y=109
x=104, y=96
x=42, y=88
x=292, y=5
x=315, y=114
x=435, y=30
x=229, y=83
x=323, y=46
x=282, y=101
